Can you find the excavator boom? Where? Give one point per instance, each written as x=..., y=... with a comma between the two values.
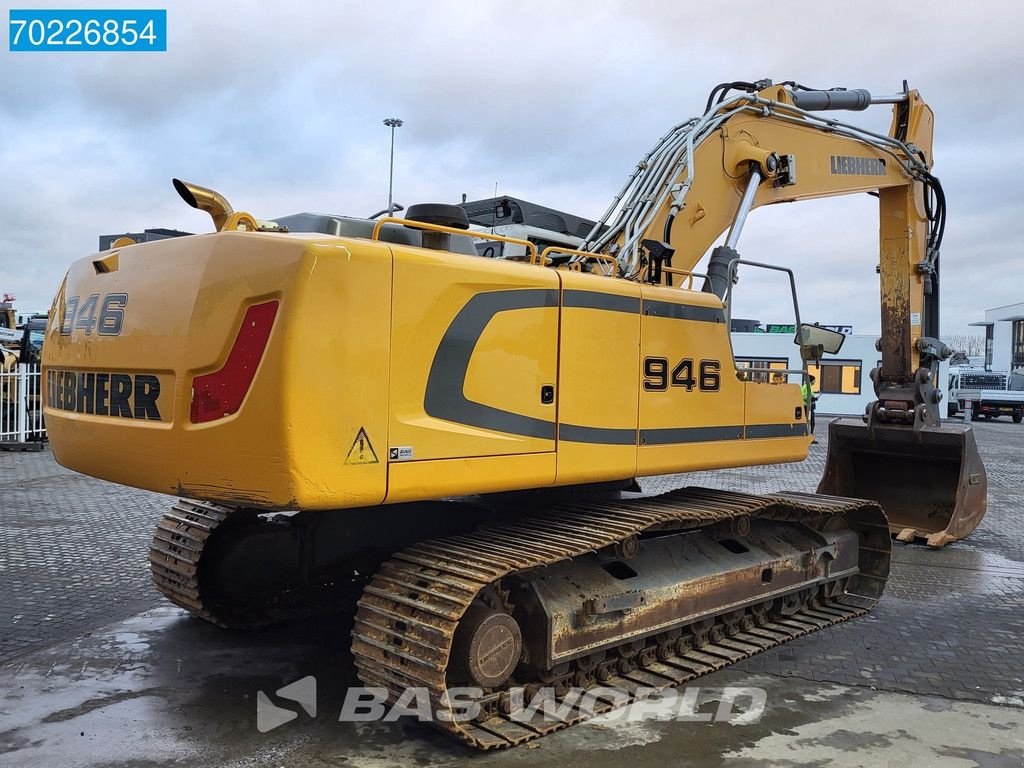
x=768, y=145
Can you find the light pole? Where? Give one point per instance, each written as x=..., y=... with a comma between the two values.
x=392, y=123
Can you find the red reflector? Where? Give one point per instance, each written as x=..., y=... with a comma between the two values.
x=219, y=394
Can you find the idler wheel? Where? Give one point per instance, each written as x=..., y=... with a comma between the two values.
x=486, y=648
x=627, y=548
x=740, y=525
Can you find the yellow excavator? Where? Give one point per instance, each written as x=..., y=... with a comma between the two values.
x=347, y=406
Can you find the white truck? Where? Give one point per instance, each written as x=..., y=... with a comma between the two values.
x=985, y=394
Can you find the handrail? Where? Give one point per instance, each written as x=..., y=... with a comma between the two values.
x=530, y=247
x=727, y=303
x=685, y=273
x=238, y=219
x=760, y=265
x=572, y=251
x=748, y=372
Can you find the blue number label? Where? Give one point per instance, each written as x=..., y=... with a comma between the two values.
x=87, y=30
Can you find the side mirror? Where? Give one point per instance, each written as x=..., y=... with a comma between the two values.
x=816, y=341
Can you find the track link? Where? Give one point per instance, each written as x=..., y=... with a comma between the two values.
x=178, y=544
x=407, y=617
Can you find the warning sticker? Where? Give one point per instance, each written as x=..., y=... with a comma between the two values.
x=361, y=451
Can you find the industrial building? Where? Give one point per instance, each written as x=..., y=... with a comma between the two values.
x=1004, y=337
x=147, y=235
x=841, y=381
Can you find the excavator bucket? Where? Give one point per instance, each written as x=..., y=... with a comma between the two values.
x=931, y=483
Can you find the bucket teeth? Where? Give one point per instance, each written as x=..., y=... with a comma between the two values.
x=939, y=540
x=907, y=535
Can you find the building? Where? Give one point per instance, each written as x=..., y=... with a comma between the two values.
x=841, y=380
x=1004, y=337
x=141, y=237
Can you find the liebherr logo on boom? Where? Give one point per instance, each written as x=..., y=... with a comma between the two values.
x=842, y=165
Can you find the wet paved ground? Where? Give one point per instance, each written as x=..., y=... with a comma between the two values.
x=96, y=670
x=72, y=552
x=952, y=621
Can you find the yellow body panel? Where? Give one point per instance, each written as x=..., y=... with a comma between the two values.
x=286, y=446
x=514, y=355
x=707, y=428
x=599, y=355
x=396, y=373
x=419, y=480
x=326, y=407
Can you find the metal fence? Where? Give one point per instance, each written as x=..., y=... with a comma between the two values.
x=21, y=405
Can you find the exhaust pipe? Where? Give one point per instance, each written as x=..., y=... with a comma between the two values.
x=214, y=203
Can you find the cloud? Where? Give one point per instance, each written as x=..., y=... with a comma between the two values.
x=554, y=102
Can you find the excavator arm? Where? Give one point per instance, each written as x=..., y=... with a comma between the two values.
x=770, y=144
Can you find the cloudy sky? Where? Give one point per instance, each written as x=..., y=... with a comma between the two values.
x=279, y=106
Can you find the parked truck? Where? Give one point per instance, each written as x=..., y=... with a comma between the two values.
x=988, y=393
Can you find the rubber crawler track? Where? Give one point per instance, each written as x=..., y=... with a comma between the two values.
x=407, y=617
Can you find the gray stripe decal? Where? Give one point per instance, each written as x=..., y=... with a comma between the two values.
x=689, y=435
x=605, y=301
x=604, y=435
x=708, y=434
x=444, y=397
x=683, y=311
x=776, y=430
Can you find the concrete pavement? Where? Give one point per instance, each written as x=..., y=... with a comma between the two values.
x=96, y=670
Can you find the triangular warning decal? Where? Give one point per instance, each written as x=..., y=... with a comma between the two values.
x=361, y=451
